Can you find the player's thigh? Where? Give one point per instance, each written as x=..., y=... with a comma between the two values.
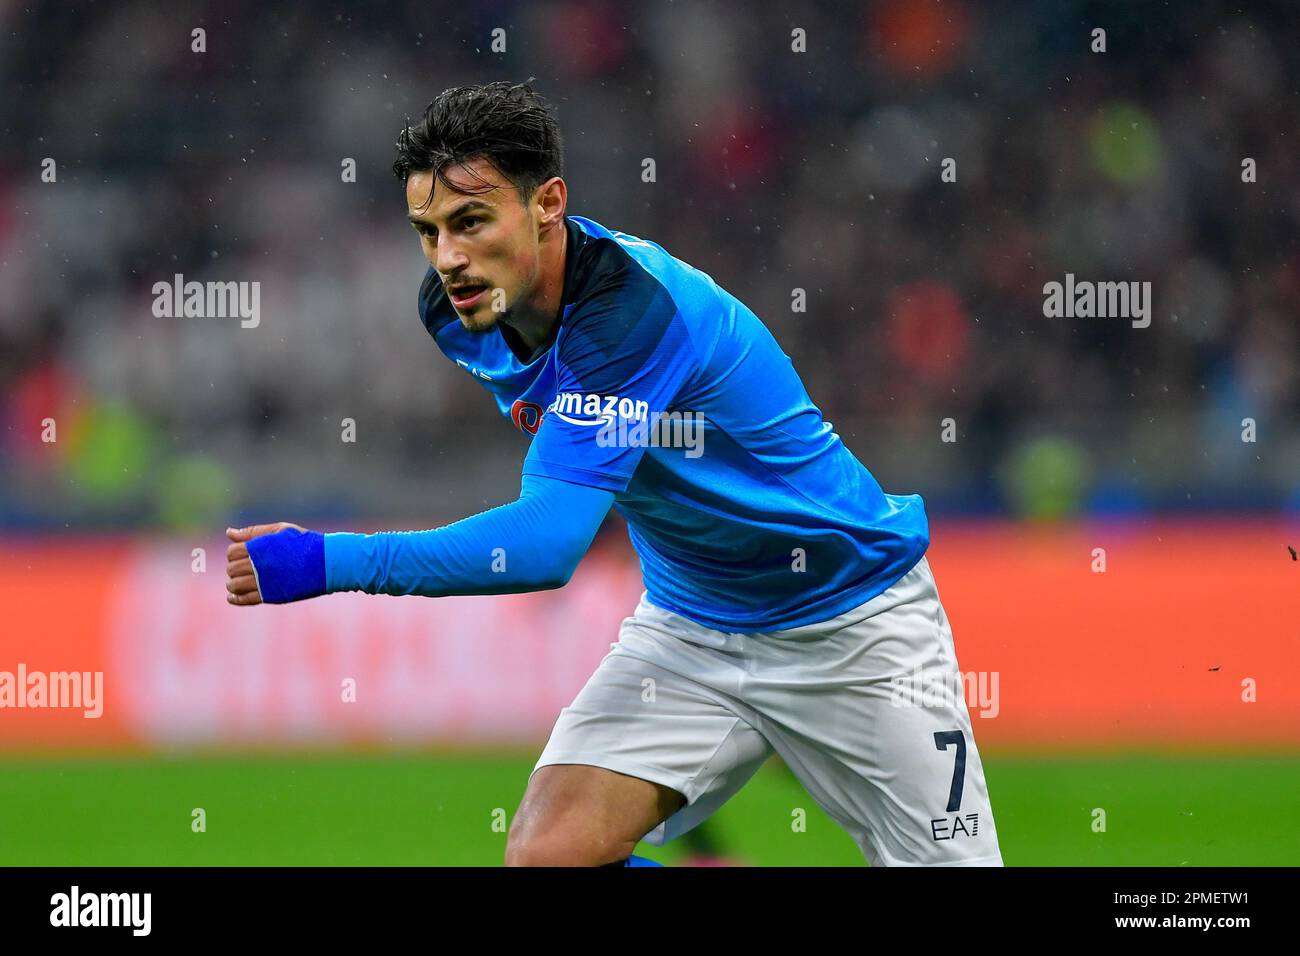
x=889, y=750
x=577, y=814
x=653, y=733
x=906, y=783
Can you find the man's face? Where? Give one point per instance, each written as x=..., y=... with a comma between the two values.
x=484, y=246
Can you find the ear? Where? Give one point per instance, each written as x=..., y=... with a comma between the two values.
x=549, y=203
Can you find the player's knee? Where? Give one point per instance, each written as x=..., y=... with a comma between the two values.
x=539, y=844
x=522, y=851
x=583, y=816
x=558, y=851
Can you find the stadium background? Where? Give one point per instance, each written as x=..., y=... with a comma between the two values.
x=1121, y=691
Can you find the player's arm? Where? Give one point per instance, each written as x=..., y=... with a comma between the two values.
x=532, y=544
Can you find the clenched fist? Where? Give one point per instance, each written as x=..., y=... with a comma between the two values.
x=241, y=582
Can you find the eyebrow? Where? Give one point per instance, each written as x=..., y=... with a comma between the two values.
x=467, y=206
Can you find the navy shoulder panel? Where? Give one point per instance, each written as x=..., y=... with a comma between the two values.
x=617, y=315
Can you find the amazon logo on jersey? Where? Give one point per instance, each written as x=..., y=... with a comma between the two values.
x=577, y=408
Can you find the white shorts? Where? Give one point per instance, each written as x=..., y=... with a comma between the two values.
x=700, y=710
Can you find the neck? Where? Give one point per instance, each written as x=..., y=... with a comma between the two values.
x=535, y=321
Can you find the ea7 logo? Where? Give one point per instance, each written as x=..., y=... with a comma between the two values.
x=579, y=409
x=949, y=828
x=473, y=370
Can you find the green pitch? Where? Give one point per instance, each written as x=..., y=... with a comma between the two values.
x=441, y=809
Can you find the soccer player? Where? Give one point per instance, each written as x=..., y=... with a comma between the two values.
x=787, y=597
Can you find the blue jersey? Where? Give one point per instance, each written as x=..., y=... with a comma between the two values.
x=746, y=509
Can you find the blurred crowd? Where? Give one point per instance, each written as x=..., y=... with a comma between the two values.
x=796, y=147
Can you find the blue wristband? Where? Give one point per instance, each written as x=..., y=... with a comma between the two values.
x=289, y=565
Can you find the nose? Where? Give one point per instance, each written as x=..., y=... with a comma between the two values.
x=448, y=260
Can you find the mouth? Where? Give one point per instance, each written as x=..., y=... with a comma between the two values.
x=467, y=295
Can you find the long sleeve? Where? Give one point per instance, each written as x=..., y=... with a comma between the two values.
x=531, y=544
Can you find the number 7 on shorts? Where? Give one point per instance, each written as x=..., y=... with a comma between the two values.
x=942, y=739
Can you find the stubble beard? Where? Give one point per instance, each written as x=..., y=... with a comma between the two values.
x=477, y=324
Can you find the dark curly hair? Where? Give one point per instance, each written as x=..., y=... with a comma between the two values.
x=508, y=124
